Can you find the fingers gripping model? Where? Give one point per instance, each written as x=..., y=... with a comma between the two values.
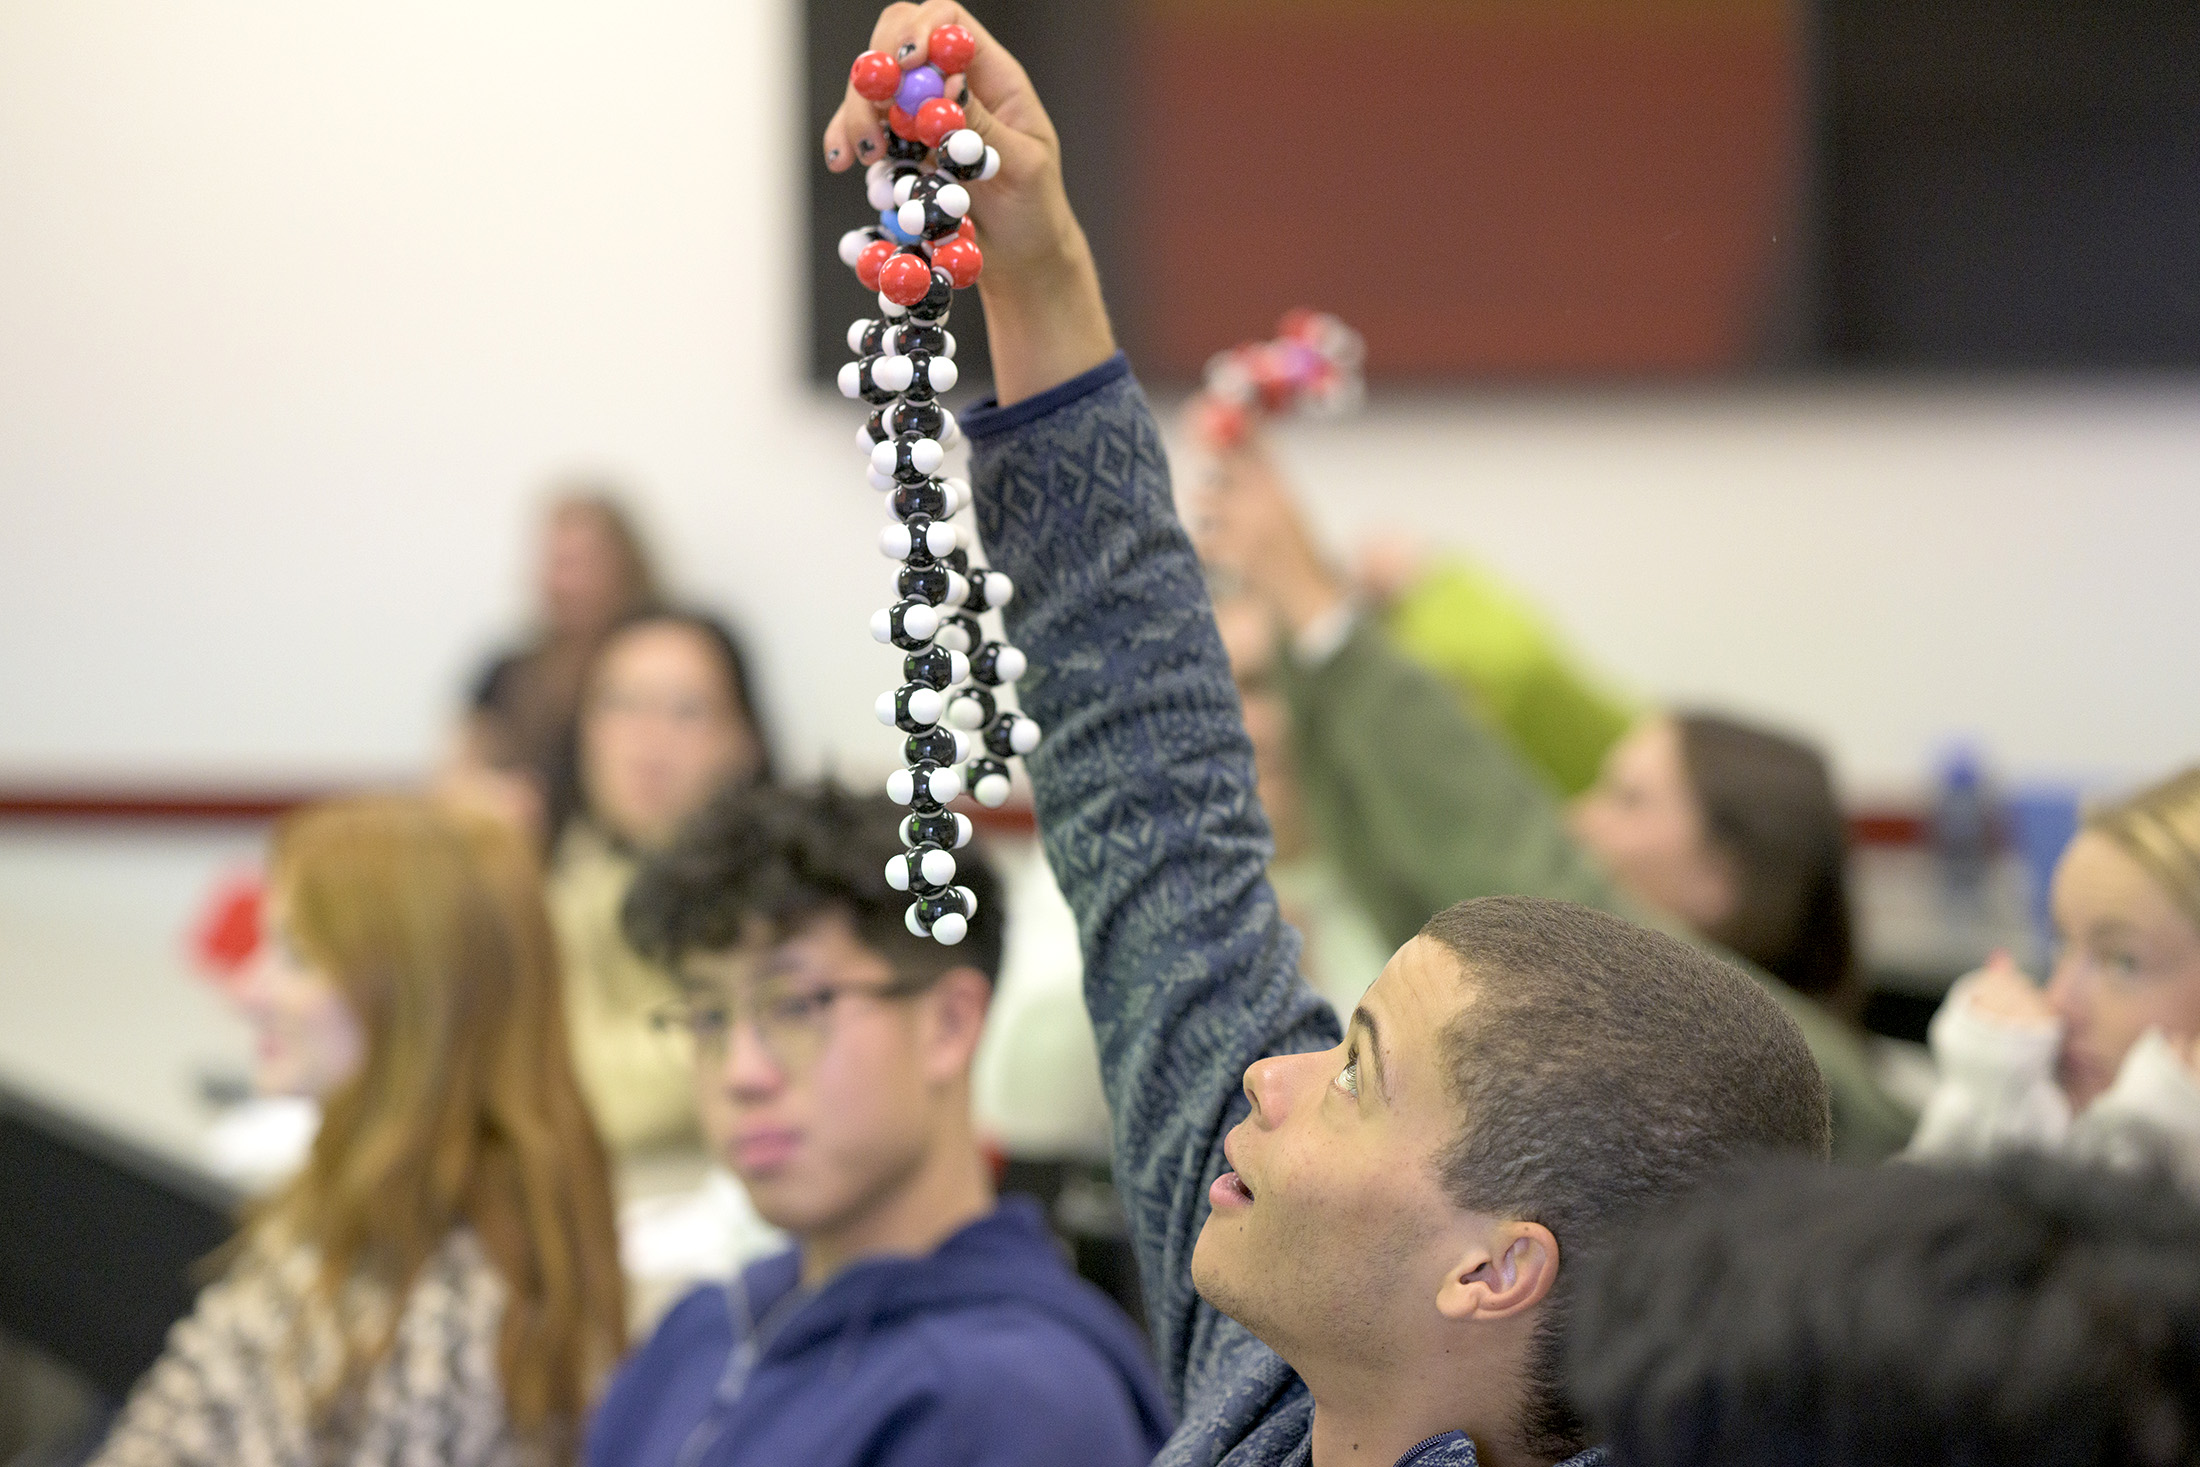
x=922, y=250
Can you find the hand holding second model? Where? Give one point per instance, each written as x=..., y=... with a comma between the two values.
x=1247, y=525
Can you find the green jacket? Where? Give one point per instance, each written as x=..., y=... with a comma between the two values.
x=1422, y=806
x=1491, y=643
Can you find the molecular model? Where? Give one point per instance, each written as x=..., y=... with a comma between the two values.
x=1313, y=366
x=922, y=250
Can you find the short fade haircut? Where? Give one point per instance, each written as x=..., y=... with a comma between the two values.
x=1602, y=1066
x=2028, y=1311
x=790, y=855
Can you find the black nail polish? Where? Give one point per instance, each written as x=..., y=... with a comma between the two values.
x=833, y=156
x=908, y=49
x=866, y=145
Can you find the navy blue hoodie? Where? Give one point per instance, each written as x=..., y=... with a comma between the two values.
x=989, y=1351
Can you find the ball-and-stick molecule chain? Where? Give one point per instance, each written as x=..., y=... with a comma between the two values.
x=1313, y=366
x=957, y=737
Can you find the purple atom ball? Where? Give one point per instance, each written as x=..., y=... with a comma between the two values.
x=919, y=86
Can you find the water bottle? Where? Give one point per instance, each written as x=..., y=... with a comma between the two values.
x=1963, y=824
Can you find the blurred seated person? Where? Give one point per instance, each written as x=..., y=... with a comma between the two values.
x=917, y=1320
x=2105, y=1062
x=2030, y=1313
x=667, y=719
x=1711, y=828
x=441, y=1281
x=514, y=750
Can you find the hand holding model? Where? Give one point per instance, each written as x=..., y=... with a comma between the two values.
x=1045, y=320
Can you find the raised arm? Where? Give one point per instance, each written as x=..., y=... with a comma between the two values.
x=1145, y=781
x=1146, y=804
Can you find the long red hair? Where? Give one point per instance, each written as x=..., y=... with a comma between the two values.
x=465, y=1110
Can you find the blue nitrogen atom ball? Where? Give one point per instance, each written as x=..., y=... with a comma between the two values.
x=890, y=221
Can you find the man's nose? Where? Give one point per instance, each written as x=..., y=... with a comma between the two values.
x=1271, y=1083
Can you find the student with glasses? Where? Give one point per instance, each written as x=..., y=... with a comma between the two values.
x=917, y=1319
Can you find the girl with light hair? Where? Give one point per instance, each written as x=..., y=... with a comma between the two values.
x=441, y=1281
x=2105, y=1061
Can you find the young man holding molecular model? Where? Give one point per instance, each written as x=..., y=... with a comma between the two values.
x=1356, y=1251
x=917, y=1323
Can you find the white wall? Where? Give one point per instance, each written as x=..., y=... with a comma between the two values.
x=299, y=305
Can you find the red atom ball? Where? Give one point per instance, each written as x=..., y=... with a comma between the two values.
x=874, y=257
x=905, y=279
x=901, y=123
x=960, y=259
x=875, y=75
x=936, y=119
x=969, y=230
x=950, y=48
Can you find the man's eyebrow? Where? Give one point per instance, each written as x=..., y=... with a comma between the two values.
x=1366, y=1021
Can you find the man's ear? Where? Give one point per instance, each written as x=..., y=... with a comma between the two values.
x=958, y=1003
x=1509, y=1269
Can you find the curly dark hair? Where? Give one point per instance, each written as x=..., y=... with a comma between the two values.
x=790, y=854
x=2024, y=1312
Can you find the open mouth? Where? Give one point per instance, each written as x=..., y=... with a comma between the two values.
x=1229, y=1190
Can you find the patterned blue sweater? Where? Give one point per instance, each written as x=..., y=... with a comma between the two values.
x=1147, y=809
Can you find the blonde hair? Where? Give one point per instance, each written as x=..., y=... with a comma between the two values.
x=2159, y=827
x=465, y=1110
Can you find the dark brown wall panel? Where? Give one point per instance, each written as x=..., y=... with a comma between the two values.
x=1511, y=189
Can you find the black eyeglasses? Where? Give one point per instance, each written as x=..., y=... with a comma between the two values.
x=793, y=1020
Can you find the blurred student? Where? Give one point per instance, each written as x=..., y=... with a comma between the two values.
x=2106, y=1061
x=514, y=751
x=1717, y=829
x=917, y=1320
x=668, y=717
x=441, y=1282
x=2031, y=1313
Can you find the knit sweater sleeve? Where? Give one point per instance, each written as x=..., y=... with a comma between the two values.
x=1146, y=805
